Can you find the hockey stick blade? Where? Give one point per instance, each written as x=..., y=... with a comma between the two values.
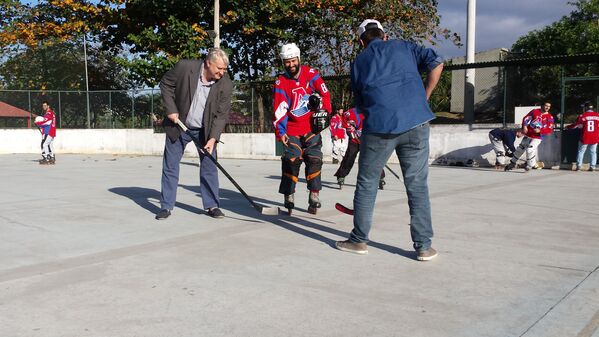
x=344, y=209
x=261, y=209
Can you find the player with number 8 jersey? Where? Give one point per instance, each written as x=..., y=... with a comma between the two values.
x=589, y=122
x=293, y=110
x=292, y=115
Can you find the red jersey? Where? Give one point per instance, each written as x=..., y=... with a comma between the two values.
x=291, y=114
x=589, y=121
x=48, y=124
x=336, y=126
x=353, y=121
x=537, y=119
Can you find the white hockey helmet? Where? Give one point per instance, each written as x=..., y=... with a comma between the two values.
x=289, y=51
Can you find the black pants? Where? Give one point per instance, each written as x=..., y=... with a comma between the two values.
x=349, y=159
x=307, y=149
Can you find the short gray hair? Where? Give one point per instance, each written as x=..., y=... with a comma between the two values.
x=217, y=53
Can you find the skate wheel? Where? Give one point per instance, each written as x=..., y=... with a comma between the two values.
x=312, y=210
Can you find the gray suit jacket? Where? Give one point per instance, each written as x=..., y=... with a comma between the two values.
x=178, y=86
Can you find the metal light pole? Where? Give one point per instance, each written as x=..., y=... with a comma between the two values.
x=470, y=72
x=216, y=24
x=86, y=79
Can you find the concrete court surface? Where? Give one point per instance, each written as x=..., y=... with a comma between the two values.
x=81, y=255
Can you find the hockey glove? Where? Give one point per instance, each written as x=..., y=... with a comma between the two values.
x=314, y=102
x=319, y=121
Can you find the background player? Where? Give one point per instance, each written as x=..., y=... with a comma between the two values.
x=589, y=122
x=352, y=122
x=338, y=136
x=47, y=125
x=535, y=125
x=503, y=144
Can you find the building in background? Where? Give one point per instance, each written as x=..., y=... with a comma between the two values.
x=488, y=84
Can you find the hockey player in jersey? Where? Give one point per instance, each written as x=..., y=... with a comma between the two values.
x=293, y=123
x=352, y=122
x=589, y=122
x=503, y=144
x=338, y=136
x=47, y=125
x=537, y=124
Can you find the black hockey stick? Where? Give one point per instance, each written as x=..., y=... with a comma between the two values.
x=393, y=172
x=259, y=208
x=344, y=209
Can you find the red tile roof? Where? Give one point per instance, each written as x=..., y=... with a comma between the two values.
x=7, y=110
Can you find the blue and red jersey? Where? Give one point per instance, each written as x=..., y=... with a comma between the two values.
x=291, y=114
x=352, y=122
x=48, y=124
x=336, y=126
x=536, y=119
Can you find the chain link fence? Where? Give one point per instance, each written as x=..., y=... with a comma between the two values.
x=500, y=87
x=104, y=109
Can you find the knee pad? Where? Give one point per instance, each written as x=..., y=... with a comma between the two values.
x=314, y=162
x=291, y=165
x=313, y=167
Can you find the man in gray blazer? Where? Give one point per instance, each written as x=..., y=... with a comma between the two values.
x=197, y=92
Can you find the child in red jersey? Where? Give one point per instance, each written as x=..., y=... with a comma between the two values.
x=47, y=125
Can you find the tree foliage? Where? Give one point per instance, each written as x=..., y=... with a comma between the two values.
x=61, y=66
x=151, y=35
x=49, y=22
x=324, y=30
x=43, y=48
x=574, y=34
x=157, y=33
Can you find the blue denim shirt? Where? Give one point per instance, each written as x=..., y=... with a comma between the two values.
x=388, y=88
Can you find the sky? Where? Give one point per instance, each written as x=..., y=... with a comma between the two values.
x=499, y=23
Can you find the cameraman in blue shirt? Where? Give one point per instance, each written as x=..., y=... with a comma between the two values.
x=388, y=88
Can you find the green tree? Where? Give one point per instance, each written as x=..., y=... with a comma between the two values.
x=42, y=45
x=49, y=22
x=324, y=30
x=60, y=66
x=253, y=31
x=574, y=34
x=154, y=34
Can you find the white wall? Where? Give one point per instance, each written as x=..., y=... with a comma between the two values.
x=521, y=111
x=453, y=143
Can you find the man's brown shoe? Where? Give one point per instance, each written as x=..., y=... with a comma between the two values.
x=352, y=247
x=427, y=255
